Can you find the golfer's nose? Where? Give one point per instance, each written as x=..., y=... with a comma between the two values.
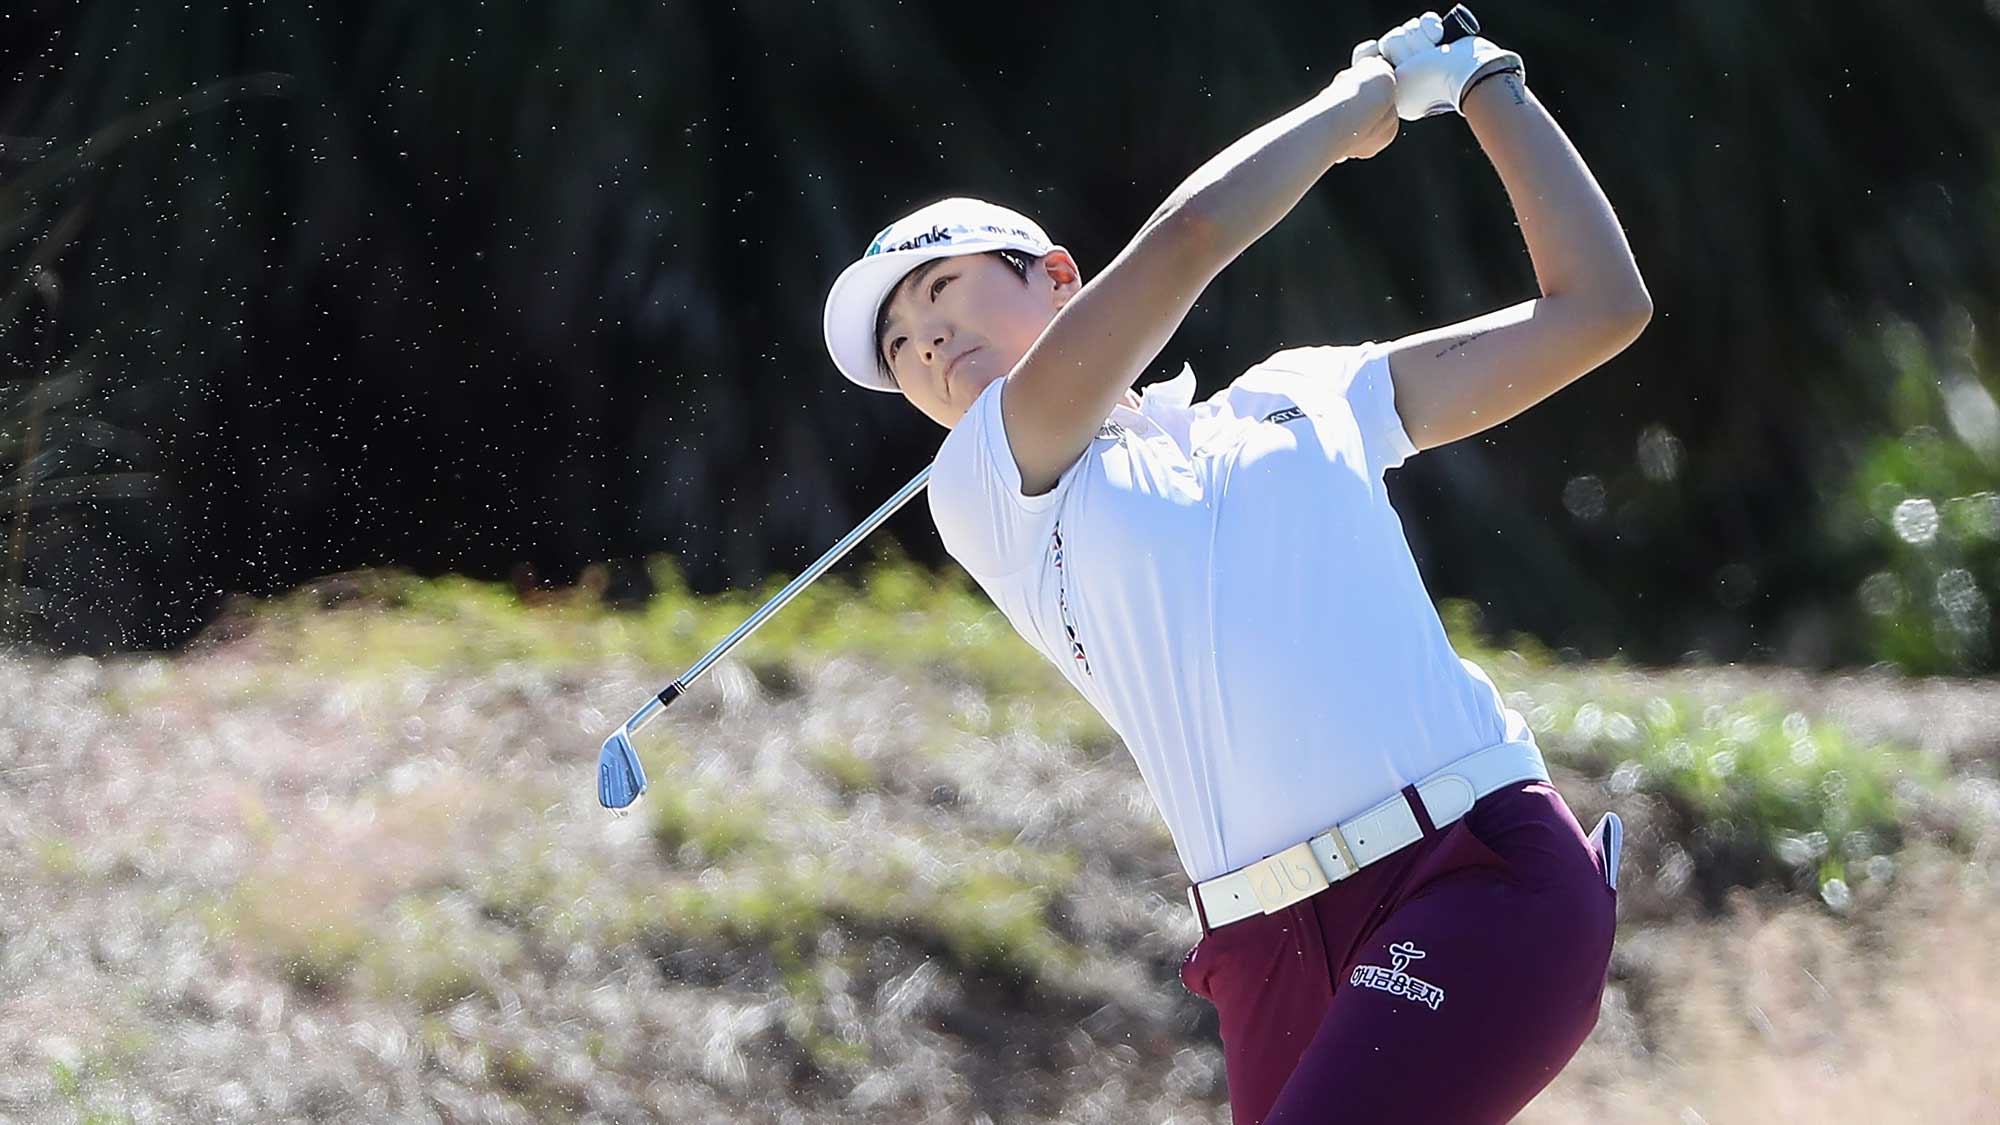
x=936, y=350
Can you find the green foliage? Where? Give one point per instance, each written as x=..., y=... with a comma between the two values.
x=1464, y=623
x=828, y=1052
x=775, y=907
x=89, y=1078
x=848, y=771
x=312, y=932
x=1752, y=771
x=702, y=825
x=1753, y=765
x=517, y=1070
x=893, y=612
x=1764, y=783
x=1924, y=502
x=539, y=890
x=435, y=955
x=982, y=904
x=984, y=907
x=57, y=857
x=829, y=876
x=74, y=1085
x=318, y=959
x=996, y=923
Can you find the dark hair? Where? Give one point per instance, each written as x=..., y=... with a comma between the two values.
x=1015, y=259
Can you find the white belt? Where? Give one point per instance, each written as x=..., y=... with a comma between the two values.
x=1302, y=870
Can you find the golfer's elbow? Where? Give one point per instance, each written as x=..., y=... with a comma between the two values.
x=1631, y=304
x=1182, y=223
x=1613, y=312
x=1628, y=310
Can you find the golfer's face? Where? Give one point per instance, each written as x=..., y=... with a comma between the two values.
x=957, y=324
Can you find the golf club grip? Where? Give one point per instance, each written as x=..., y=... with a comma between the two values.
x=1459, y=23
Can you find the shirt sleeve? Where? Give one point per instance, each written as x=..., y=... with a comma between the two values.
x=1360, y=374
x=975, y=495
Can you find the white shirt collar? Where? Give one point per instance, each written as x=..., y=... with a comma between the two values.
x=1168, y=397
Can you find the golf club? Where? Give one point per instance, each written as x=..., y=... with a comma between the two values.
x=620, y=778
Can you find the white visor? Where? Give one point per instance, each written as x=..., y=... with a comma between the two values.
x=945, y=229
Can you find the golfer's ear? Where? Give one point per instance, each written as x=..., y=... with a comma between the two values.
x=1061, y=270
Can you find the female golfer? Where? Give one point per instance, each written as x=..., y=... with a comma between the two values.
x=1401, y=919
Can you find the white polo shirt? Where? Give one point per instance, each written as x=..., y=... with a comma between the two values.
x=1227, y=584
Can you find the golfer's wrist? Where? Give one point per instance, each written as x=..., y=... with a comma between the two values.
x=1497, y=92
x=1349, y=116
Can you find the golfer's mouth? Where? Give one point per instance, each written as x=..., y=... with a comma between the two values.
x=951, y=367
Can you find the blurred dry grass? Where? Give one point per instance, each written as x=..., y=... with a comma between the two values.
x=346, y=864
x=1779, y=1012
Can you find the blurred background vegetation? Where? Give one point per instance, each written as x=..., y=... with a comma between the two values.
x=340, y=860
x=432, y=382
x=513, y=290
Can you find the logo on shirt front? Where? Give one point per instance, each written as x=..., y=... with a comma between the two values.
x=1062, y=604
x=1395, y=981
x=1111, y=430
x=1286, y=415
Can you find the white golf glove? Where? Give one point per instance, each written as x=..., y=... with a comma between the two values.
x=1430, y=79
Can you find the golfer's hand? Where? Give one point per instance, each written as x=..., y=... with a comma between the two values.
x=1368, y=91
x=1432, y=79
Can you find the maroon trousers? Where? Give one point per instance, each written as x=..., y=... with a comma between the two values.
x=1446, y=984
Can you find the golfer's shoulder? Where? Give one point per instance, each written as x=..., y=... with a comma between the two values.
x=983, y=517
x=963, y=455
x=1330, y=366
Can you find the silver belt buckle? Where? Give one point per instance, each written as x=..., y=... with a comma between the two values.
x=1348, y=864
x=1292, y=875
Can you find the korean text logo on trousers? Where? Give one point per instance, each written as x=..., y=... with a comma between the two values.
x=1395, y=981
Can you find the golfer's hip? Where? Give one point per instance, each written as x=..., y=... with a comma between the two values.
x=1404, y=818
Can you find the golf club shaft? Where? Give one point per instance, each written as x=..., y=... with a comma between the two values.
x=1458, y=23
x=673, y=691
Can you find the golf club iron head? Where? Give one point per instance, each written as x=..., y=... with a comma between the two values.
x=620, y=778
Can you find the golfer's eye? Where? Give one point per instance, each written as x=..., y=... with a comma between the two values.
x=939, y=284
x=892, y=348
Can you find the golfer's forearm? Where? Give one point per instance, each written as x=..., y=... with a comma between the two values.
x=1578, y=249
x=1244, y=190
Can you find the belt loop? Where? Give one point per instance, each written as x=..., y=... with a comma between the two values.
x=1416, y=803
x=1200, y=915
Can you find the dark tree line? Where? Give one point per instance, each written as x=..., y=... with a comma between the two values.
x=517, y=288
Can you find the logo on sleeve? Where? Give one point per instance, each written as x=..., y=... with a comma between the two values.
x=1288, y=414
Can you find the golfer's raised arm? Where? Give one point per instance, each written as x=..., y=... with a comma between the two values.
x=1099, y=342
x=1459, y=380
